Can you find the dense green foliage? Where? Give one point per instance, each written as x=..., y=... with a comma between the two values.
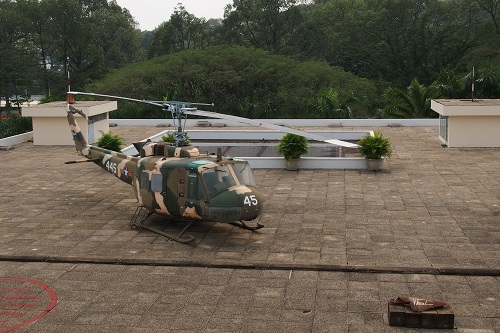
x=14, y=125
x=273, y=58
x=292, y=146
x=375, y=146
x=110, y=141
x=36, y=37
x=242, y=81
x=414, y=102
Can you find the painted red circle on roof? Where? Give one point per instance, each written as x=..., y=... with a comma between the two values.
x=23, y=302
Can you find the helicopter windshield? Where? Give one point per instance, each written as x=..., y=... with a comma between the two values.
x=244, y=174
x=217, y=179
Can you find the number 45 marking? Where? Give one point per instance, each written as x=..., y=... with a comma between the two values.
x=251, y=200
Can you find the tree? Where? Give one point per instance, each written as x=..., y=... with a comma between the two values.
x=392, y=40
x=487, y=81
x=98, y=36
x=182, y=32
x=491, y=7
x=346, y=33
x=414, y=102
x=239, y=80
x=118, y=38
x=418, y=38
x=37, y=28
x=16, y=54
x=329, y=104
x=451, y=85
x=264, y=24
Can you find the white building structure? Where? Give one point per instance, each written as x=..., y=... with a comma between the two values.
x=466, y=123
x=50, y=125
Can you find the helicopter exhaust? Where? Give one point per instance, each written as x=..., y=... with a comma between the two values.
x=219, y=154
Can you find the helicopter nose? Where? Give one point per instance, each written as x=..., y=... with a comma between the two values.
x=238, y=203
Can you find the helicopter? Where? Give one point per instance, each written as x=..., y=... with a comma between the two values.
x=176, y=180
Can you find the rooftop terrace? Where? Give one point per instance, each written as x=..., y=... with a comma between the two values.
x=337, y=245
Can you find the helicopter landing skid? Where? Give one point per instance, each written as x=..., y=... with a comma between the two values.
x=140, y=216
x=243, y=225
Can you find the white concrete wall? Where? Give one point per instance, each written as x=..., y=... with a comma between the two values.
x=16, y=139
x=99, y=126
x=55, y=131
x=342, y=163
x=50, y=125
x=288, y=122
x=471, y=131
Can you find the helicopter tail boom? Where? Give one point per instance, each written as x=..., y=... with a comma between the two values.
x=120, y=165
x=78, y=137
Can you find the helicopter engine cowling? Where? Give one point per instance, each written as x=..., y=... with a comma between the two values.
x=238, y=203
x=167, y=149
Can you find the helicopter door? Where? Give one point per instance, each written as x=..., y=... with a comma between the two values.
x=144, y=191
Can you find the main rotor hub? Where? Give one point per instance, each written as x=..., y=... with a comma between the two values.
x=178, y=110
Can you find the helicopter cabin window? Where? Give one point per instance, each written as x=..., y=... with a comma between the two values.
x=145, y=180
x=217, y=180
x=244, y=174
x=195, y=191
x=157, y=182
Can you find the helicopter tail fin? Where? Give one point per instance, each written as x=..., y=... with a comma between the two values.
x=80, y=142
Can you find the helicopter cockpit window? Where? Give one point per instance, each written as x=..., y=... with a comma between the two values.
x=244, y=174
x=217, y=180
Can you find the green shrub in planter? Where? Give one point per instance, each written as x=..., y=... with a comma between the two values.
x=292, y=146
x=110, y=141
x=375, y=146
x=171, y=138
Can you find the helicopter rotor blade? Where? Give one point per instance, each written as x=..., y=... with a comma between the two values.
x=196, y=112
x=271, y=126
x=155, y=103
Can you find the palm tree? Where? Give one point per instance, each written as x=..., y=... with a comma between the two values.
x=487, y=82
x=414, y=102
x=329, y=104
x=450, y=85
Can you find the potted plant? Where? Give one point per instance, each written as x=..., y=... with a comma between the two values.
x=292, y=146
x=171, y=138
x=110, y=141
x=374, y=148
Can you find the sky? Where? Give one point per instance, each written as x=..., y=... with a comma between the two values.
x=151, y=13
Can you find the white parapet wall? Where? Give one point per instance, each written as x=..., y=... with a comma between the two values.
x=286, y=122
x=16, y=139
x=345, y=163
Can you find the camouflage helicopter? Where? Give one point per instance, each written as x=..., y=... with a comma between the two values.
x=176, y=180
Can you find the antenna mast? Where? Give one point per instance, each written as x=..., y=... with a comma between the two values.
x=69, y=98
x=473, y=83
